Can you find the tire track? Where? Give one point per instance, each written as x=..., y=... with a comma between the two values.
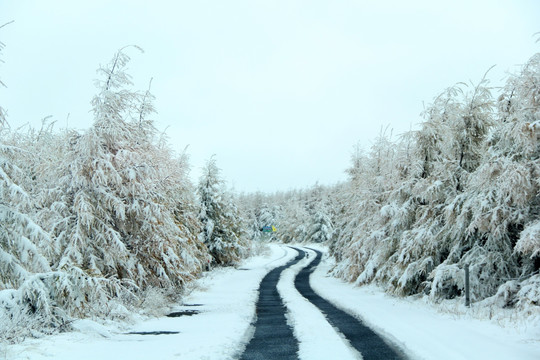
x=273, y=338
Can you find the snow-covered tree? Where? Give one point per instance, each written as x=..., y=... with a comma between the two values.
x=118, y=208
x=249, y=204
x=292, y=220
x=320, y=228
x=90, y=210
x=505, y=203
x=266, y=217
x=28, y=287
x=222, y=226
x=518, y=141
x=93, y=221
x=459, y=191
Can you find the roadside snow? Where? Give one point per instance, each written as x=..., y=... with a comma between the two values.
x=218, y=332
x=421, y=330
x=222, y=328
x=317, y=338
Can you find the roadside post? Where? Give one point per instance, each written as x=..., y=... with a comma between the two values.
x=467, y=287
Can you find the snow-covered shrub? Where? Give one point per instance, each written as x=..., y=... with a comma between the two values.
x=506, y=294
x=157, y=301
x=521, y=296
x=448, y=281
x=528, y=296
x=25, y=252
x=16, y=322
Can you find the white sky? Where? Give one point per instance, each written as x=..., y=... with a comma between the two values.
x=281, y=90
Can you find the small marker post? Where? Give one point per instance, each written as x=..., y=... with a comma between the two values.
x=467, y=287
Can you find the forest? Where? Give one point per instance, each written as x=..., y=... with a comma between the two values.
x=462, y=190
x=103, y=222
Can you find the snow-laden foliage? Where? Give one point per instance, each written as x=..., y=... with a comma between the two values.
x=518, y=141
x=100, y=222
x=22, y=241
x=459, y=191
x=293, y=222
x=121, y=193
x=320, y=229
x=222, y=226
x=249, y=210
x=25, y=290
x=25, y=283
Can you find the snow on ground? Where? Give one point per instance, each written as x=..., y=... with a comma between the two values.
x=223, y=327
x=421, y=330
x=228, y=299
x=317, y=338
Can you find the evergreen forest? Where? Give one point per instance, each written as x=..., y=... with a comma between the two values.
x=106, y=221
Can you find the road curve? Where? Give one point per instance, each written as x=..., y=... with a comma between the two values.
x=362, y=338
x=273, y=338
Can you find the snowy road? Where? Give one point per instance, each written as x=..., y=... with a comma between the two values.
x=370, y=345
x=224, y=326
x=273, y=338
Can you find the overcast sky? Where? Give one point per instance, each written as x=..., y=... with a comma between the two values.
x=280, y=91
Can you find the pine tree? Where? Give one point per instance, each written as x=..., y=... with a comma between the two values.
x=222, y=228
